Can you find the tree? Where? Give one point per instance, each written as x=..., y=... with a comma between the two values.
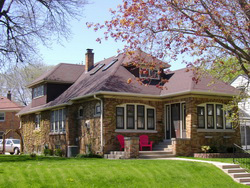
x=17, y=78
x=24, y=23
x=204, y=30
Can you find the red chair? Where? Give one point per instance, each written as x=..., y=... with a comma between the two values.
x=121, y=140
x=144, y=142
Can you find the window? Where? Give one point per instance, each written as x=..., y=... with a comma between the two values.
x=151, y=119
x=201, y=117
x=219, y=117
x=57, y=121
x=2, y=116
x=98, y=109
x=184, y=114
x=148, y=73
x=38, y=91
x=135, y=117
x=120, y=117
x=37, y=121
x=210, y=116
x=228, y=122
x=130, y=116
x=140, y=117
x=215, y=115
x=80, y=112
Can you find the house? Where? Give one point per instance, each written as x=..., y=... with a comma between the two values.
x=77, y=107
x=8, y=118
x=242, y=82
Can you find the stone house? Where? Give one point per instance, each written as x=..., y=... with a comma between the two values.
x=86, y=107
x=8, y=118
x=242, y=82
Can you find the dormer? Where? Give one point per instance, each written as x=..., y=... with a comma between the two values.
x=54, y=82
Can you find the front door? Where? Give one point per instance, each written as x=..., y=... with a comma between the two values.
x=175, y=120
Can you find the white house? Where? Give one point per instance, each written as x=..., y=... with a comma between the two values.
x=241, y=82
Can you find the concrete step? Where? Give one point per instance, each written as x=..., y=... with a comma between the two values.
x=234, y=170
x=163, y=149
x=112, y=156
x=150, y=153
x=156, y=156
x=245, y=183
x=241, y=180
x=240, y=175
x=117, y=152
x=230, y=166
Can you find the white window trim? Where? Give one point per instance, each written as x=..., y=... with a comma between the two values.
x=3, y=116
x=35, y=97
x=135, y=121
x=215, y=129
x=97, y=114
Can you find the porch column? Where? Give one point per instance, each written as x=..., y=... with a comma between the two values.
x=131, y=147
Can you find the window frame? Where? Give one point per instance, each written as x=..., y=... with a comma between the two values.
x=137, y=107
x=204, y=118
x=148, y=128
x=132, y=116
x=216, y=118
x=2, y=120
x=80, y=112
x=97, y=112
x=213, y=115
x=150, y=73
x=36, y=92
x=56, y=122
x=123, y=117
x=37, y=121
x=135, y=120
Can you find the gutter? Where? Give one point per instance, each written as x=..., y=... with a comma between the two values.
x=101, y=119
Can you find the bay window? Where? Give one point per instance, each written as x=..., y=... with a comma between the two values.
x=135, y=117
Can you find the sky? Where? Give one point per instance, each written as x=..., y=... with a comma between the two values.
x=73, y=50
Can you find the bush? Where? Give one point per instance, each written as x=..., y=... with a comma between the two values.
x=230, y=149
x=213, y=149
x=58, y=152
x=48, y=152
x=205, y=149
x=32, y=155
x=91, y=155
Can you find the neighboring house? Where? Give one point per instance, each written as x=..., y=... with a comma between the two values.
x=8, y=118
x=243, y=82
x=86, y=107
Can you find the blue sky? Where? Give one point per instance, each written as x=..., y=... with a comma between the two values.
x=73, y=50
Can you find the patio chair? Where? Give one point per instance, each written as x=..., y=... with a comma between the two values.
x=121, y=140
x=144, y=142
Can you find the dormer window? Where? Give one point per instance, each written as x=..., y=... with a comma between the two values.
x=148, y=73
x=38, y=91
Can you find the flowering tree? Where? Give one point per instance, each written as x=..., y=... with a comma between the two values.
x=207, y=31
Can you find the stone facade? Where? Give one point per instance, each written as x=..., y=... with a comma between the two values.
x=131, y=148
x=85, y=131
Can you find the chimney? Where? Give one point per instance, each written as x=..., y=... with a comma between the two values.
x=9, y=95
x=89, y=60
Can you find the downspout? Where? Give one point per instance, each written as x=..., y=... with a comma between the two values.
x=101, y=119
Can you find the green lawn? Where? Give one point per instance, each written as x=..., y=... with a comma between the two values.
x=21, y=171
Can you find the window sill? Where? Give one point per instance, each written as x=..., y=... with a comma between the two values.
x=216, y=130
x=97, y=115
x=134, y=131
x=57, y=133
x=39, y=97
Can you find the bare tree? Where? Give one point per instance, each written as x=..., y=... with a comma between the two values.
x=17, y=78
x=24, y=23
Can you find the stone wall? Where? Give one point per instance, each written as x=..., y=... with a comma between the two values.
x=11, y=122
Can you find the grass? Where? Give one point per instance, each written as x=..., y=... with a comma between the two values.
x=23, y=171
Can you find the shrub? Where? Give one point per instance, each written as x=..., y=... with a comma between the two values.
x=46, y=152
x=205, y=149
x=230, y=149
x=32, y=155
x=58, y=152
x=213, y=149
x=91, y=155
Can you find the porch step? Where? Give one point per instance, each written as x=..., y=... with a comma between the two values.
x=241, y=180
x=115, y=155
x=155, y=154
x=230, y=166
x=234, y=170
x=240, y=175
x=165, y=145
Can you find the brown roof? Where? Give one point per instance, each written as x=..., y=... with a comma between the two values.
x=182, y=81
x=8, y=105
x=114, y=79
x=63, y=73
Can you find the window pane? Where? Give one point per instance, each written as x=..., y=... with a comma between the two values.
x=210, y=116
x=201, y=117
x=140, y=117
x=56, y=121
x=1, y=116
x=228, y=123
x=60, y=120
x=130, y=116
x=151, y=119
x=184, y=116
x=219, y=117
x=119, y=117
x=52, y=120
